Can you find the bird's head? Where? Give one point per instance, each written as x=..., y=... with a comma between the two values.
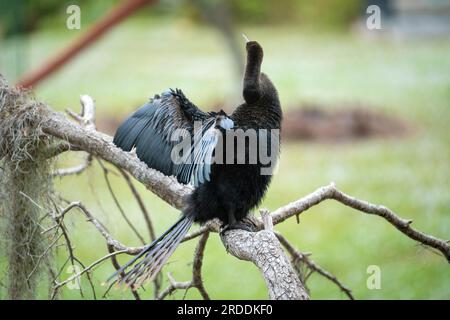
x=256, y=83
x=254, y=52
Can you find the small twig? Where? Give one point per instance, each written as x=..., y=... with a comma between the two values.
x=116, y=201
x=55, y=239
x=88, y=111
x=88, y=268
x=196, y=281
x=116, y=266
x=299, y=256
x=208, y=226
x=102, y=229
x=87, y=120
x=60, y=224
x=331, y=192
x=173, y=286
x=57, y=148
x=30, y=199
x=74, y=170
x=137, y=196
x=267, y=219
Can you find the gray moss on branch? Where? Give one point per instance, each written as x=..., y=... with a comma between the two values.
x=25, y=188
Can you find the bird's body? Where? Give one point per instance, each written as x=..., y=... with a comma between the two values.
x=223, y=189
x=237, y=188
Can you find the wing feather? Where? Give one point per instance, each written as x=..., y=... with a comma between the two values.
x=152, y=126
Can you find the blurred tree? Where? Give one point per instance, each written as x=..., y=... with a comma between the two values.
x=24, y=16
x=264, y=11
x=19, y=17
x=218, y=14
x=328, y=14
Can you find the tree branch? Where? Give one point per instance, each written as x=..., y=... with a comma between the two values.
x=87, y=120
x=118, y=246
x=197, y=281
x=331, y=192
x=299, y=256
x=137, y=196
x=262, y=248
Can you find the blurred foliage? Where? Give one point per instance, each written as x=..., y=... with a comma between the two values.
x=21, y=16
x=328, y=13
x=323, y=13
x=264, y=11
x=17, y=17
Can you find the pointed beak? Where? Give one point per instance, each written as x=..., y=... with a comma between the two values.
x=245, y=38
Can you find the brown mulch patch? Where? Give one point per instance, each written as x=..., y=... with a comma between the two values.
x=349, y=123
x=320, y=124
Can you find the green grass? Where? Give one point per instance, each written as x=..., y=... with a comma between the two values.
x=410, y=175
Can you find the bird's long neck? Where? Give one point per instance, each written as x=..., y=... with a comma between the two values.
x=252, y=87
x=262, y=108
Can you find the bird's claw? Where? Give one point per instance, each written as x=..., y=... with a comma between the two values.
x=245, y=224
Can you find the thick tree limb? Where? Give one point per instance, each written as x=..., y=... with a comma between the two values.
x=263, y=249
x=98, y=144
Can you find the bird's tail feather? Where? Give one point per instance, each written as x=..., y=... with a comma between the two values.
x=156, y=255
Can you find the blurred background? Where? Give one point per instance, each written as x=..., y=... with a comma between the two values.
x=366, y=100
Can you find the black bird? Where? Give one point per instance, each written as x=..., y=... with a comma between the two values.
x=227, y=191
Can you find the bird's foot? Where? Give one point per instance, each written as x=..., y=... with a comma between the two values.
x=246, y=224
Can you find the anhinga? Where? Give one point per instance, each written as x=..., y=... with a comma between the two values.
x=223, y=190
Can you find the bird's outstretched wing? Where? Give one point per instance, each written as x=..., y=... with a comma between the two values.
x=152, y=130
